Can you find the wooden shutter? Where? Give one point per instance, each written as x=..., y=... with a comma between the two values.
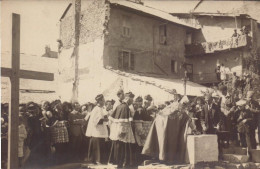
x=132, y=61
x=120, y=60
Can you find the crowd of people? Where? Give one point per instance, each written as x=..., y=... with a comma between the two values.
x=115, y=131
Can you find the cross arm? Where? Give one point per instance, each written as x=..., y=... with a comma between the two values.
x=28, y=74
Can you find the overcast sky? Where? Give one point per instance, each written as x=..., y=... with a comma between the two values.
x=39, y=24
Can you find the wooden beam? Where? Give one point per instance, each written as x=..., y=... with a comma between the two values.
x=6, y=72
x=27, y=74
x=14, y=111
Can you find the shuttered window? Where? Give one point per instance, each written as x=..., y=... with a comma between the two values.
x=163, y=34
x=126, y=60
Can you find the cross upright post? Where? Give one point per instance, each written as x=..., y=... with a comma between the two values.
x=15, y=74
x=14, y=108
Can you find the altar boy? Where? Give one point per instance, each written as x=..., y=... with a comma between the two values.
x=97, y=131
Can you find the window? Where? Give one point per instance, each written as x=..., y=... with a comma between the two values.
x=126, y=31
x=162, y=34
x=188, y=38
x=126, y=26
x=126, y=60
x=174, y=66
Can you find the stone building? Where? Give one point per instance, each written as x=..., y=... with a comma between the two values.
x=212, y=43
x=123, y=44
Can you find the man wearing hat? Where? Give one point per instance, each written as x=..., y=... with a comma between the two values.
x=141, y=126
x=246, y=126
x=131, y=106
x=97, y=131
x=120, y=94
x=210, y=115
x=121, y=134
x=254, y=107
x=149, y=109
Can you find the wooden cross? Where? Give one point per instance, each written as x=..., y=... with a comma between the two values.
x=15, y=74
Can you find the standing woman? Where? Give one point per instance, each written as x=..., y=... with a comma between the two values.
x=76, y=119
x=97, y=131
x=59, y=132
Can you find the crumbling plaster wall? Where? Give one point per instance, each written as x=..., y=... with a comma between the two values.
x=94, y=18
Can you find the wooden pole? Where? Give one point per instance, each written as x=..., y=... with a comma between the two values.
x=14, y=110
x=76, y=49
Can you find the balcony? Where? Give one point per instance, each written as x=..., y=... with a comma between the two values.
x=218, y=46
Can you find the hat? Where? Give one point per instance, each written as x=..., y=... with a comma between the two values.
x=148, y=97
x=111, y=101
x=119, y=92
x=241, y=102
x=139, y=99
x=173, y=91
x=223, y=88
x=129, y=94
x=99, y=97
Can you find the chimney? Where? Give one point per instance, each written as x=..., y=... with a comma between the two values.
x=47, y=49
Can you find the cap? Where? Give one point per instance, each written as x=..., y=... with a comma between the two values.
x=130, y=94
x=148, y=97
x=99, y=97
x=223, y=88
x=111, y=101
x=139, y=99
x=120, y=91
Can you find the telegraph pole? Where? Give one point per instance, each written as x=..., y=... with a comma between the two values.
x=77, y=5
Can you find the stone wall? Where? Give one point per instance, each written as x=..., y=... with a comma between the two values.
x=143, y=42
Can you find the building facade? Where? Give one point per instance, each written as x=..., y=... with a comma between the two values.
x=123, y=36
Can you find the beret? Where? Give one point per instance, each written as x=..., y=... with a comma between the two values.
x=111, y=101
x=130, y=94
x=139, y=99
x=99, y=97
x=120, y=92
x=148, y=97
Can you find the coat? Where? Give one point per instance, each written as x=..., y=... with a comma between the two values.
x=210, y=117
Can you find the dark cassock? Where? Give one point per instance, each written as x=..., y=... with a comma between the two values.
x=121, y=135
x=97, y=131
x=167, y=137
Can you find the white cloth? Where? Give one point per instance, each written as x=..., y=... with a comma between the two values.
x=122, y=131
x=223, y=73
x=132, y=110
x=22, y=136
x=94, y=129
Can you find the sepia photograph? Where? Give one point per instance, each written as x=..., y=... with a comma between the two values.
x=133, y=84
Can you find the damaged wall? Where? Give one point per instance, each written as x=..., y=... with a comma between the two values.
x=94, y=17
